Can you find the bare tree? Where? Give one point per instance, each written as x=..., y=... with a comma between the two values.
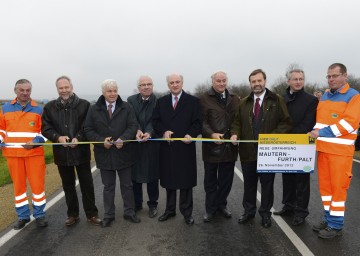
x=354, y=82
x=280, y=85
x=201, y=89
x=242, y=90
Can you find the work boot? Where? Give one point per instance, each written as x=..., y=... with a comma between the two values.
x=320, y=226
x=329, y=233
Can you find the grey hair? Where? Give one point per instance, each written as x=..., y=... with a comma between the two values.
x=168, y=77
x=294, y=70
x=218, y=72
x=64, y=77
x=23, y=81
x=108, y=83
x=141, y=77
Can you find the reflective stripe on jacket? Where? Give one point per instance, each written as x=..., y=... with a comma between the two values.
x=337, y=118
x=19, y=125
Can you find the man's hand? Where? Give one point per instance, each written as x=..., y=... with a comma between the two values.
x=187, y=139
x=119, y=143
x=74, y=142
x=139, y=135
x=314, y=134
x=234, y=138
x=167, y=135
x=146, y=136
x=64, y=140
x=29, y=145
x=108, y=142
x=217, y=136
x=142, y=137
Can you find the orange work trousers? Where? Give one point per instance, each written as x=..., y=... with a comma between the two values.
x=30, y=168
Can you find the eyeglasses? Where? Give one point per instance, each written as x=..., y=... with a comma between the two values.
x=175, y=82
x=297, y=79
x=333, y=76
x=144, y=85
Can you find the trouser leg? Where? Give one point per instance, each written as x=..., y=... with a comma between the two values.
x=87, y=189
x=67, y=174
x=108, y=178
x=302, y=194
x=225, y=180
x=138, y=193
x=153, y=193
x=127, y=192
x=211, y=187
x=35, y=172
x=186, y=202
x=289, y=190
x=267, y=193
x=17, y=172
x=250, y=186
x=170, y=201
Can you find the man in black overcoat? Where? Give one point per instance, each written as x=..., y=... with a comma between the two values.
x=302, y=109
x=112, y=121
x=146, y=154
x=177, y=115
x=63, y=121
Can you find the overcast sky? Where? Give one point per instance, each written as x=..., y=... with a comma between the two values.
x=95, y=40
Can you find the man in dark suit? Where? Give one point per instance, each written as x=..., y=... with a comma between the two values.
x=146, y=167
x=177, y=115
x=112, y=121
x=302, y=109
x=259, y=113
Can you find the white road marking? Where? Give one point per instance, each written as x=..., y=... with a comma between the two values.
x=6, y=237
x=297, y=242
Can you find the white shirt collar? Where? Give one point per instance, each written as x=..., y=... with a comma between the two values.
x=261, y=98
x=178, y=96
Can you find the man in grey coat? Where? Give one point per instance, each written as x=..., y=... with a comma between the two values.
x=112, y=121
x=146, y=167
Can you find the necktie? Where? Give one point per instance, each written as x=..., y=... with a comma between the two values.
x=176, y=102
x=110, y=110
x=257, y=109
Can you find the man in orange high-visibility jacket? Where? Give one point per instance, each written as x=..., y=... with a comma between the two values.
x=20, y=127
x=337, y=122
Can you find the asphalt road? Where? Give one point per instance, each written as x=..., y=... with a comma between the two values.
x=174, y=237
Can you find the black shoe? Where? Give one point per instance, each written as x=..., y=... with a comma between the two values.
x=138, y=208
x=132, y=218
x=266, y=222
x=226, y=212
x=107, y=222
x=21, y=223
x=298, y=220
x=284, y=212
x=153, y=212
x=189, y=220
x=41, y=222
x=245, y=218
x=166, y=216
x=208, y=217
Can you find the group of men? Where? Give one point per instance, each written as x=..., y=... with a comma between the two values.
x=177, y=118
